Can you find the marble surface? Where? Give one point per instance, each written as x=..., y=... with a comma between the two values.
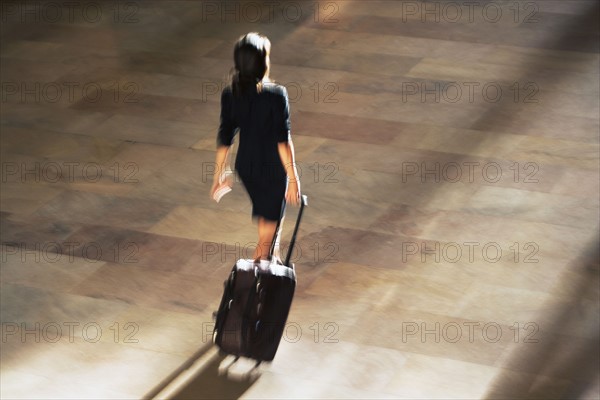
x=449, y=249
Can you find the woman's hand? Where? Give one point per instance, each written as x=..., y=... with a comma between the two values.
x=221, y=164
x=214, y=187
x=226, y=179
x=292, y=195
x=286, y=154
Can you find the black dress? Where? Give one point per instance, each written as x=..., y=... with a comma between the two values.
x=263, y=120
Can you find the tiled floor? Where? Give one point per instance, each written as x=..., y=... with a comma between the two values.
x=450, y=247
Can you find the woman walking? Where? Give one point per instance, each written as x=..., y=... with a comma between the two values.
x=265, y=162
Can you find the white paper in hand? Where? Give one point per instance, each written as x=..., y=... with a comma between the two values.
x=223, y=187
x=221, y=191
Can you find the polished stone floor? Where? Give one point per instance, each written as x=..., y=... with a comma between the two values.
x=450, y=154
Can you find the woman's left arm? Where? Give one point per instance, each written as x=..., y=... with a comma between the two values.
x=221, y=165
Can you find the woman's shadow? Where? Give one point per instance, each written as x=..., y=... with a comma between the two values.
x=218, y=379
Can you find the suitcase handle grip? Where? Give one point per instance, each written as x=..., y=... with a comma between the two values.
x=303, y=203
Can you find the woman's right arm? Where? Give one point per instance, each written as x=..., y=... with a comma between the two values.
x=286, y=153
x=285, y=147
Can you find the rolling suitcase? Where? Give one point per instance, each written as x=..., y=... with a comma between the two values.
x=256, y=302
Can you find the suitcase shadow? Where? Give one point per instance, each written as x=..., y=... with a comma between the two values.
x=217, y=381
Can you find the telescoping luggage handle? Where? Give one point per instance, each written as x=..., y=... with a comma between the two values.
x=303, y=202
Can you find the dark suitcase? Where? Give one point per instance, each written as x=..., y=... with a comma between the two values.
x=256, y=302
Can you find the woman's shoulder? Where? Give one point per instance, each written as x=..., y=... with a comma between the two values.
x=226, y=89
x=226, y=93
x=274, y=88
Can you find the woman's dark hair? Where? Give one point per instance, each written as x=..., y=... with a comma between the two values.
x=251, y=60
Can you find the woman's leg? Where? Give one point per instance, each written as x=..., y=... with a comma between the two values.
x=266, y=230
x=276, y=252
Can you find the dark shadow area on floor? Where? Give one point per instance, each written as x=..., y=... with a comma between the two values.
x=214, y=384
x=212, y=381
x=574, y=362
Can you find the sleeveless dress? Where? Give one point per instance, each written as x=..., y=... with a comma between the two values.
x=262, y=120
